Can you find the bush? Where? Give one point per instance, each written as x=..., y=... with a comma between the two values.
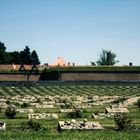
x=50, y=75
x=77, y=113
x=24, y=105
x=67, y=104
x=10, y=112
x=8, y=102
x=30, y=125
x=16, y=104
x=122, y=122
x=138, y=103
x=38, y=100
x=120, y=100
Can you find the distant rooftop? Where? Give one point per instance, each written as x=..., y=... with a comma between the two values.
x=60, y=62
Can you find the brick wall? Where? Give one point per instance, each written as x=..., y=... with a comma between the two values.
x=72, y=76
x=100, y=76
x=18, y=77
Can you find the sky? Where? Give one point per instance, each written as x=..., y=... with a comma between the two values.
x=76, y=30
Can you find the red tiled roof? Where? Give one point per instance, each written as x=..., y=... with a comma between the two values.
x=60, y=61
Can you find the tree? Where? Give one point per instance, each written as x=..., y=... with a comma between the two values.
x=34, y=57
x=107, y=58
x=8, y=57
x=25, y=57
x=122, y=122
x=15, y=57
x=2, y=47
x=3, y=54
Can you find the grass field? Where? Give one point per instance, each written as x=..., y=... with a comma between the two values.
x=91, y=89
x=87, y=90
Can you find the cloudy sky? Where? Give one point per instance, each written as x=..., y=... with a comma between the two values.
x=76, y=30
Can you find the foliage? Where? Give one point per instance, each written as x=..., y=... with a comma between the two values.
x=122, y=122
x=10, y=112
x=107, y=58
x=24, y=105
x=77, y=113
x=138, y=103
x=67, y=104
x=8, y=102
x=26, y=57
x=34, y=57
x=119, y=100
x=30, y=125
x=2, y=47
x=15, y=57
x=38, y=100
x=4, y=57
x=22, y=57
x=50, y=75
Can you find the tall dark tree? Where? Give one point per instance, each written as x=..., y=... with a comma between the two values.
x=107, y=58
x=15, y=57
x=4, y=57
x=2, y=47
x=25, y=56
x=34, y=57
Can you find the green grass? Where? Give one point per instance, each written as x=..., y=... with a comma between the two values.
x=97, y=68
x=122, y=89
x=69, y=135
x=101, y=89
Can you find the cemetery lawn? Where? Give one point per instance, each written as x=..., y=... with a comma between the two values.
x=69, y=135
x=13, y=131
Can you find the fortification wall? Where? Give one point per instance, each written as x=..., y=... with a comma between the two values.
x=74, y=76
x=18, y=77
x=100, y=76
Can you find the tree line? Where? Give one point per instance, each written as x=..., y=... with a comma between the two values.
x=106, y=57
x=18, y=57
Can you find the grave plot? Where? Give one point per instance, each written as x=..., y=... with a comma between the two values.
x=117, y=110
x=83, y=106
x=131, y=100
x=48, y=103
x=79, y=125
x=43, y=106
x=59, y=104
x=3, y=105
x=87, y=101
x=24, y=110
x=48, y=98
x=65, y=110
x=2, y=126
x=42, y=116
x=96, y=100
x=2, y=100
x=102, y=115
x=77, y=102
